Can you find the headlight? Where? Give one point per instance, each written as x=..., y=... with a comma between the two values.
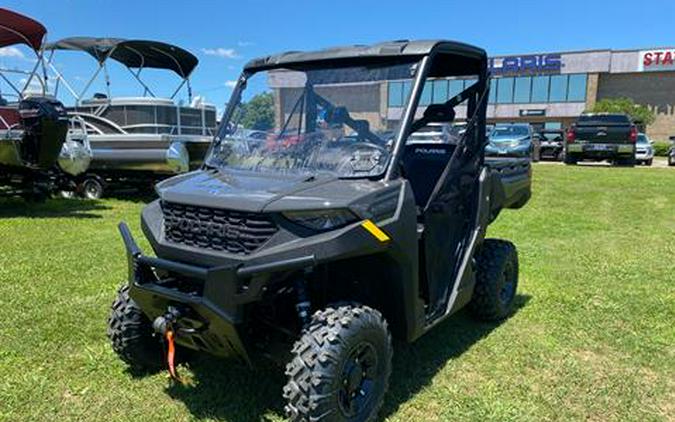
x=322, y=219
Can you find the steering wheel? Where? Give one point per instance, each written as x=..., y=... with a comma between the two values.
x=368, y=149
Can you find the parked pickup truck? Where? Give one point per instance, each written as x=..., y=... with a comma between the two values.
x=601, y=136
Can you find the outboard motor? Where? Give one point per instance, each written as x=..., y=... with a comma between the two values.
x=45, y=124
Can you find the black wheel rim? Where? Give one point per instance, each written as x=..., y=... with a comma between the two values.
x=508, y=289
x=358, y=380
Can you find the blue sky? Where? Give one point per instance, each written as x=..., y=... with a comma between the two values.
x=224, y=35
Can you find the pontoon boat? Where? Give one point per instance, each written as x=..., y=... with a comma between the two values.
x=33, y=125
x=136, y=138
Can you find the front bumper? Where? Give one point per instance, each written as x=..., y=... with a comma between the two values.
x=644, y=155
x=594, y=150
x=493, y=151
x=210, y=300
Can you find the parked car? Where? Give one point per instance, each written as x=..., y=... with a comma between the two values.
x=297, y=253
x=601, y=136
x=671, y=152
x=512, y=140
x=644, y=150
x=551, y=143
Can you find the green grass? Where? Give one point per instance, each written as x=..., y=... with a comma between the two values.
x=593, y=336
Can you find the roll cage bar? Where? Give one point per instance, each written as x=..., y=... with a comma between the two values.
x=132, y=54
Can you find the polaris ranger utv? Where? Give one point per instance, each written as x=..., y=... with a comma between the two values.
x=331, y=232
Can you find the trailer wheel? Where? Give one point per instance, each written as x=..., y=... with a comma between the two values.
x=496, y=280
x=340, y=367
x=131, y=335
x=92, y=188
x=66, y=194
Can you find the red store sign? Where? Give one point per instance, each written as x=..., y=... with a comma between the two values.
x=655, y=60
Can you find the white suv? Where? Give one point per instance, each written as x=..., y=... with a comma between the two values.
x=644, y=150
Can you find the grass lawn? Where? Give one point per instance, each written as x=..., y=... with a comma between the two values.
x=593, y=337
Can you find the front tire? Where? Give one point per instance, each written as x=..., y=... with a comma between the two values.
x=496, y=280
x=131, y=335
x=340, y=367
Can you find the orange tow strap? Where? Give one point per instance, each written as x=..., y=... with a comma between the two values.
x=171, y=355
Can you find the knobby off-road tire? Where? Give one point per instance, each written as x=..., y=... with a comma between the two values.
x=496, y=280
x=130, y=333
x=340, y=367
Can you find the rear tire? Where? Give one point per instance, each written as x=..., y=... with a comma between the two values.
x=627, y=162
x=496, y=280
x=340, y=367
x=570, y=160
x=131, y=335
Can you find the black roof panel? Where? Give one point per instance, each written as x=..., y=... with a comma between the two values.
x=363, y=53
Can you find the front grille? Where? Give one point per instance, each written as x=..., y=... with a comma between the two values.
x=216, y=229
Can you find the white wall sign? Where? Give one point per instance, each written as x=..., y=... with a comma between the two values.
x=657, y=60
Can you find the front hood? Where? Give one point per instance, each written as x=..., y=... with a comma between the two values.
x=244, y=191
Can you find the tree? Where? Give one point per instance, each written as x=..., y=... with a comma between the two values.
x=258, y=113
x=639, y=113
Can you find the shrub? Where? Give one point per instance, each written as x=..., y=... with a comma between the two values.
x=661, y=148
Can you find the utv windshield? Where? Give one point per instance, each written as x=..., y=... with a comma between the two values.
x=311, y=121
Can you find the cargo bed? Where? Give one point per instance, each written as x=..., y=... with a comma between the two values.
x=515, y=175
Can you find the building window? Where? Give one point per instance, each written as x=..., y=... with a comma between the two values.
x=440, y=91
x=395, y=94
x=521, y=92
x=469, y=82
x=407, y=88
x=558, y=92
x=539, y=89
x=552, y=125
x=577, y=88
x=505, y=91
x=493, y=91
x=425, y=98
x=456, y=86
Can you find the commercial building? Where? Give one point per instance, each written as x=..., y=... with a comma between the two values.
x=546, y=90
x=552, y=89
